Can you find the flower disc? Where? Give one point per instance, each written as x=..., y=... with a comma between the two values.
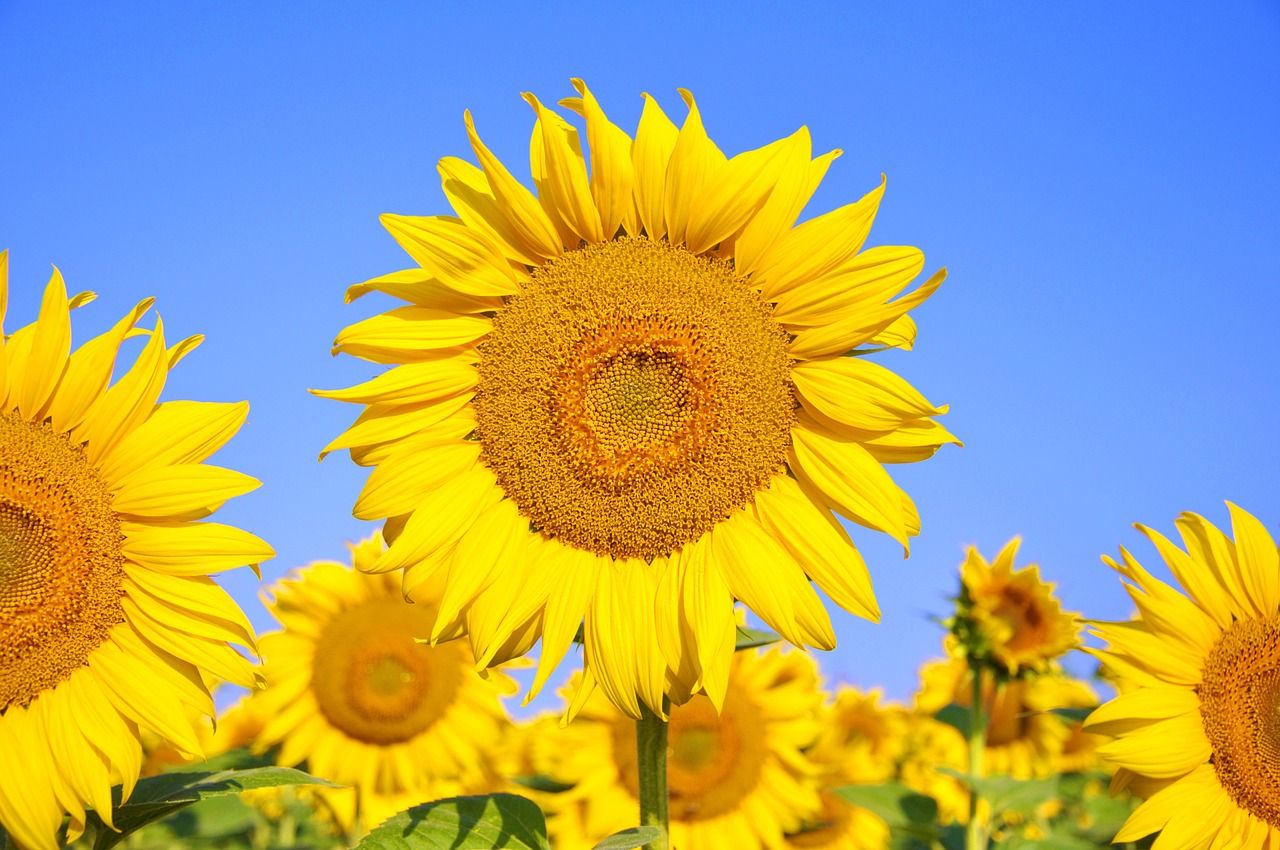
x=633, y=396
x=61, y=566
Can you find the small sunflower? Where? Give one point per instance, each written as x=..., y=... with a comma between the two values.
x=929, y=745
x=1010, y=617
x=1199, y=736
x=861, y=743
x=351, y=693
x=109, y=623
x=1024, y=737
x=736, y=779
x=628, y=399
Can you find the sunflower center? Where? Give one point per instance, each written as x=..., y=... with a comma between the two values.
x=1240, y=708
x=61, y=565
x=374, y=682
x=633, y=396
x=713, y=762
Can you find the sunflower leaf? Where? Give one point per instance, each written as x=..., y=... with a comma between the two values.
x=898, y=805
x=1005, y=793
x=463, y=823
x=629, y=839
x=752, y=638
x=156, y=797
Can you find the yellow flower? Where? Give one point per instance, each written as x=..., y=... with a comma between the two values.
x=626, y=400
x=1198, y=737
x=1025, y=739
x=932, y=744
x=860, y=743
x=108, y=619
x=351, y=693
x=1014, y=618
x=738, y=779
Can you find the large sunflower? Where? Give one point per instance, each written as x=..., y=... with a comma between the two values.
x=736, y=779
x=351, y=693
x=108, y=620
x=1199, y=736
x=631, y=393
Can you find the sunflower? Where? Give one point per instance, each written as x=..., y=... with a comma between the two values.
x=351, y=693
x=1010, y=618
x=1198, y=737
x=1024, y=738
x=930, y=745
x=109, y=622
x=737, y=779
x=627, y=399
x=860, y=743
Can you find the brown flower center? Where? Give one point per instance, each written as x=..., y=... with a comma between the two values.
x=1240, y=707
x=61, y=565
x=633, y=396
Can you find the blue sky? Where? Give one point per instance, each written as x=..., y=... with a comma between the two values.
x=1101, y=180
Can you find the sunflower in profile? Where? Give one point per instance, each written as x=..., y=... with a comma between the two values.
x=861, y=743
x=737, y=779
x=109, y=622
x=1010, y=618
x=1199, y=737
x=1024, y=739
x=627, y=399
x=352, y=694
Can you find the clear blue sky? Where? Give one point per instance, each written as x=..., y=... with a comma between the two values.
x=1100, y=179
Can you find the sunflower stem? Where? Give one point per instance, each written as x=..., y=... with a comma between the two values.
x=651, y=752
x=975, y=835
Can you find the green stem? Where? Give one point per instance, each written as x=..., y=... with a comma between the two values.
x=975, y=835
x=651, y=752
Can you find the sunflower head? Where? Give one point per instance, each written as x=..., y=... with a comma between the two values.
x=626, y=394
x=1007, y=619
x=1197, y=732
x=110, y=627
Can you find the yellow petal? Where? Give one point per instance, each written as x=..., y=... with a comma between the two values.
x=50, y=345
x=198, y=595
x=914, y=441
x=852, y=480
x=574, y=572
x=29, y=810
x=1206, y=592
x=694, y=160
x=797, y=181
x=191, y=548
x=707, y=615
x=609, y=635
x=1209, y=546
x=516, y=203
x=817, y=247
x=421, y=288
x=175, y=432
x=132, y=692
x=1139, y=708
x=89, y=371
x=655, y=140
x=739, y=189
x=440, y=519
x=458, y=256
x=847, y=334
x=389, y=336
x=828, y=558
x=767, y=579
x=129, y=401
x=398, y=484
x=425, y=381
x=859, y=393
x=178, y=490
x=875, y=275
x=1259, y=561
x=901, y=333
x=469, y=194
x=612, y=173
x=560, y=175
x=494, y=541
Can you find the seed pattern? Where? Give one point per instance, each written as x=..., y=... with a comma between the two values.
x=61, y=564
x=633, y=396
x=1240, y=707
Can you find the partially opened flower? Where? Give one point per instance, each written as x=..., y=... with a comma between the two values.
x=351, y=693
x=1009, y=617
x=109, y=623
x=738, y=779
x=1198, y=736
x=628, y=399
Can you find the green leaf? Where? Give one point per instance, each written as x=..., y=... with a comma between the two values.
x=1005, y=793
x=159, y=796
x=751, y=638
x=1072, y=716
x=955, y=716
x=541, y=783
x=629, y=839
x=463, y=823
x=898, y=805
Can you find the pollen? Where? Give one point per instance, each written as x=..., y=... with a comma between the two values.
x=1240, y=707
x=633, y=396
x=61, y=563
x=374, y=682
